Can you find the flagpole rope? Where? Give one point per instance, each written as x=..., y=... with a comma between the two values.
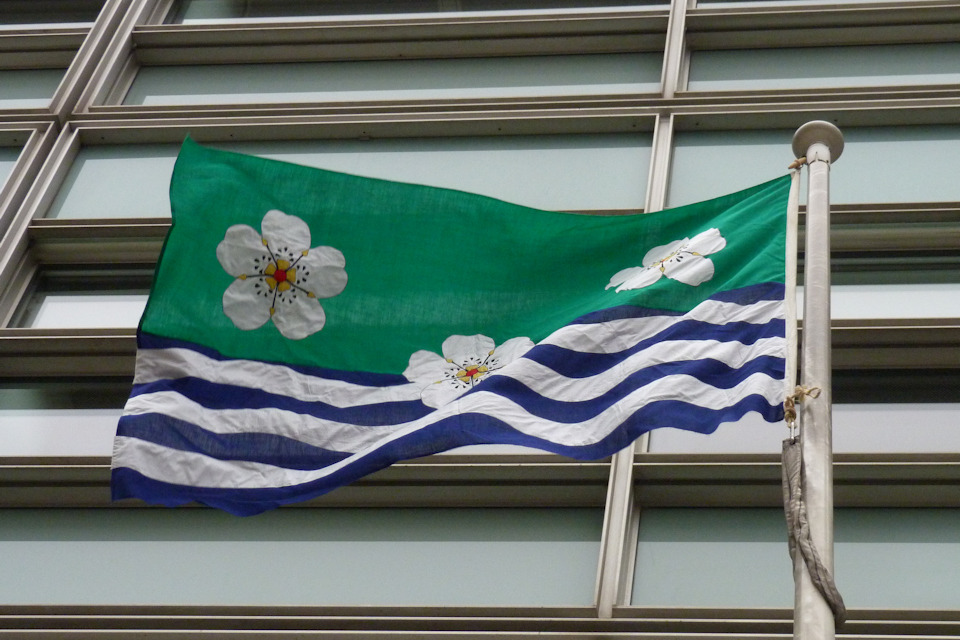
x=798, y=528
x=790, y=284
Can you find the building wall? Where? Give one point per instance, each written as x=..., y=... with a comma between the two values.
x=605, y=107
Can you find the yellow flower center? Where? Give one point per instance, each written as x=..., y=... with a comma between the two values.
x=280, y=275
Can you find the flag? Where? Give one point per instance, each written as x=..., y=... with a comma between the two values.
x=306, y=328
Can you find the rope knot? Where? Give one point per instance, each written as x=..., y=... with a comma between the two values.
x=799, y=162
x=790, y=403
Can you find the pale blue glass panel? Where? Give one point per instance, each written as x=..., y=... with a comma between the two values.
x=396, y=79
x=603, y=171
x=884, y=558
x=87, y=310
x=502, y=557
x=919, y=164
x=713, y=558
x=8, y=158
x=825, y=67
x=28, y=88
x=60, y=418
x=199, y=11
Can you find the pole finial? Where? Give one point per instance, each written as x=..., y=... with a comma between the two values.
x=820, y=131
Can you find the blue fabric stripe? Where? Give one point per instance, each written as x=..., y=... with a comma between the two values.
x=441, y=436
x=708, y=371
x=214, y=395
x=576, y=364
x=364, y=378
x=254, y=447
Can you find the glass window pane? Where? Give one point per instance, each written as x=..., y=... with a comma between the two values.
x=60, y=417
x=710, y=163
x=825, y=67
x=22, y=13
x=884, y=558
x=505, y=557
x=396, y=79
x=604, y=171
x=8, y=159
x=227, y=10
x=28, y=88
x=63, y=299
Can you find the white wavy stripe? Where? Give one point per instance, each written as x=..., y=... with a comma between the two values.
x=166, y=364
x=186, y=468
x=319, y=432
x=614, y=336
x=162, y=364
x=347, y=437
x=550, y=384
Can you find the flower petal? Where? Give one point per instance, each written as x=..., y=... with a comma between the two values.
x=240, y=246
x=425, y=366
x=689, y=268
x=707, y=242
x=662, y=252
x=460, y=348
x=298, y=315
x=321, y=272
x=287, y=235
x=634, y=278
x=512, y=349
x=245, y=304
x=438, y=394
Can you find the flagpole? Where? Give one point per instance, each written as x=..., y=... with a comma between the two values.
x=822, y=143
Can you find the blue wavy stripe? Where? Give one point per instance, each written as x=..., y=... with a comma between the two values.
x=745, y=296
x=214, y=395
x=576, y=364
x=711, y=372
x=267, y=448
x=441, y=436
x=364, y=378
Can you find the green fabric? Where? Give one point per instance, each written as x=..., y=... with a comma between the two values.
x=425, y=263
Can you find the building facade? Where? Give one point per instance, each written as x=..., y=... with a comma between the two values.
x=597, y=106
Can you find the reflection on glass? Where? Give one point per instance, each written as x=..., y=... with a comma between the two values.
x=396, y=79
x=82, y=299
x=739, y=558
x=28, y=88
x=562, y=172
x=60, y=417
x=707, y=164
x=825, y=67
x=225, y=10
x=404, y=557
x=8, y=158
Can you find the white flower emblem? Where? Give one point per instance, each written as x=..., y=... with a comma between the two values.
x=278, y=276
x=681, y=260
x=466, y=360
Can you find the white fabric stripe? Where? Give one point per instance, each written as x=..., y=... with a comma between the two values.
x=346, y=437
x=164, y=364
x=627, y=332
x=188, y=468
x=161, y=364
x=552, y=385
x=318, y=432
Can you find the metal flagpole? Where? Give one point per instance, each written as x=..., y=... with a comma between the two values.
x=821, y=143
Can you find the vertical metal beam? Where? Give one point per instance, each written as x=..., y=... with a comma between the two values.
x=822, y=143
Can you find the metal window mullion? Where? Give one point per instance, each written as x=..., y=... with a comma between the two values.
x=674, y=50
x=114, y=65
